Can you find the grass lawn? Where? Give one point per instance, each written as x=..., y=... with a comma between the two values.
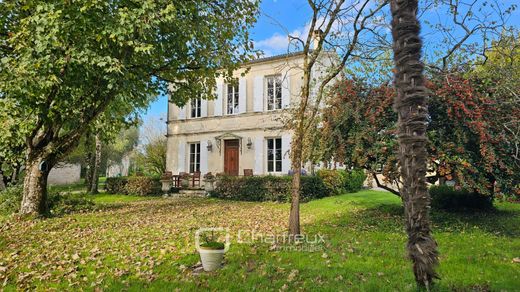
x=104, y=198
x=149, y=244
x=76, y=187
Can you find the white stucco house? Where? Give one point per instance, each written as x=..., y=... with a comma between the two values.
x=241, y=129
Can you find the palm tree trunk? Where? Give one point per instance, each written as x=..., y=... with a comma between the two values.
x=410, y=104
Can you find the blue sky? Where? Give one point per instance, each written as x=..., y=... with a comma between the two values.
x=268, y=35
x=280, y=17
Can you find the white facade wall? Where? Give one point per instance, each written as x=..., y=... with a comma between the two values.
x=252, y=125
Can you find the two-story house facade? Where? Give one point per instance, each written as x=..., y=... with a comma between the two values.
x=242, y=128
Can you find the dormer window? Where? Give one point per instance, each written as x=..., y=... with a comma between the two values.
x=274, y=92
x=196, y=108
x=232, y=99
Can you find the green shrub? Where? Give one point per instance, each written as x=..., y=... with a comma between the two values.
x=58, y=204
x=116, y=185
x=353, y=180
x=142, y=186
x=10, y=200
x=66, y=203
x=313, y=187
x=341, y=181
x=448, y=198
x=267, y=188
x=334, y=180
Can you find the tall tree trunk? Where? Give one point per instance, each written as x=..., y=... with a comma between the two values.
x=89, y=159
x=94, y=180
x=34, y=201
x=294, y=216
x=2, y=182
x=297, y=153
x=411, y=107
x=14, y=177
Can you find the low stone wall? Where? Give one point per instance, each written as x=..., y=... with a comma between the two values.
x=64, y=173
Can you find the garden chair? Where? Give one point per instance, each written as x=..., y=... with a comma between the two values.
x=195, y=178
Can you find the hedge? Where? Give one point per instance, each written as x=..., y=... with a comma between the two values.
x=133, y=185
x=448, y=198
x=116, y=185
x=341, y=181
x=267, y=188
x=353, y=180
x=143, y=186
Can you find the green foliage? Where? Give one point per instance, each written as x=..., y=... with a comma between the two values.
x=10, y=200
x=116, y=185
x=66, y=203
x=312, y=187
x=67, y=67
x=267, y=188
x=472, y=132
x=142, y=186
x=333, y=180
x=115, y=146
x=359, y=127
x=341, y=181
x=212, y=245
x=448, y=198
x=353, y=180
x=153, y=158
x=59, y=203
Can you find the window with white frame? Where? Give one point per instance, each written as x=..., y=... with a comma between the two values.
x=194, y=157
x=196, y=108
x=274, y=154
x=232, y=99
x=274, y=92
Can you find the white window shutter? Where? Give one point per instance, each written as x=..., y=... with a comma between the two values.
x=218, y=101
x=203, y=157
x=259, y=156
x=203, y=108
x=242, y=95
x=181, y=157
x=258, y=94
x=182, y=113
x=286, y=93
x=286, y=147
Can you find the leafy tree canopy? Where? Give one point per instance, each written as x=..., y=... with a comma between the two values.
x=65, y=64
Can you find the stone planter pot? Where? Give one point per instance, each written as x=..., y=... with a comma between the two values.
x=185, y=183
x=211, y=258
x=209, y=185
x=166, y=185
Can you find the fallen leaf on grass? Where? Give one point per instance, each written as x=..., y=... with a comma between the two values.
x=292, y=275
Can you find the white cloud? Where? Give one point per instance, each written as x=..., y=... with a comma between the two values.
x=275, y=42
x=278, y=43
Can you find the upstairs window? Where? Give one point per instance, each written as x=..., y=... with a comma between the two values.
x=274, y=155
x=194, y=157
x=196, y=108
x=274, y=92
x=232, y=99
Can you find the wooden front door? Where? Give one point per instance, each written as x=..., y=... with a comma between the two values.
x=231, y=154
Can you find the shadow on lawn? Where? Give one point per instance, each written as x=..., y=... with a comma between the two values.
x=497, y=222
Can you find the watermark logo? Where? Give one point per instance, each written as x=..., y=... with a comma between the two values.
x=276, y=241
